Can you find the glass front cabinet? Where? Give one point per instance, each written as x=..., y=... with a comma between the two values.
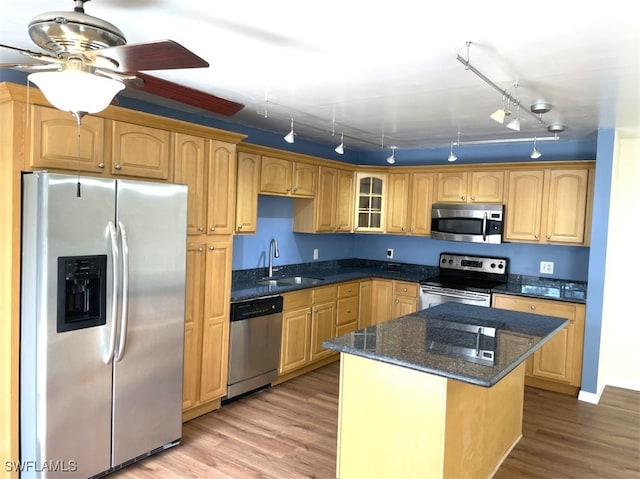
x=370, y=202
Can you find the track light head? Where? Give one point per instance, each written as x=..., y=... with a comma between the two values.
x=290, y=137
x=391, y=159
x=340, y=148
x=452, y=157
x=498, y=115
x=514, y=124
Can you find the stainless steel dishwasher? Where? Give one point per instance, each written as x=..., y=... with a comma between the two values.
x=254, y=344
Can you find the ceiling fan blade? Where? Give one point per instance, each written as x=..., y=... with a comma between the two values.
x=31, y=54
x=31, y=67
x=189, y=96
x=159, y=55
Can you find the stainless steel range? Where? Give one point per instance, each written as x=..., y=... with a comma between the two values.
x=463, y=279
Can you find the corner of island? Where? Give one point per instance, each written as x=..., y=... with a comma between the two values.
x=437, y=393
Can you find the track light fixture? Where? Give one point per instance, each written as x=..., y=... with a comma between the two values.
x=340, y=148
x=452, y=156
x=391, y=159
x=535, y=154
x=290, y=137
x=537, y=108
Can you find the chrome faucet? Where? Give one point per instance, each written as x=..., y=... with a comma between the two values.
x=274, y=252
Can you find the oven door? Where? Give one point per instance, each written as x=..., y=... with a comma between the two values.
x=433, y=295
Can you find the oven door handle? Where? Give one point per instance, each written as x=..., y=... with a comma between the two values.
x=484, y=227
x=461, y=295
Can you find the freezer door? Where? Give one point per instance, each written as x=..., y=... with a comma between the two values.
x=65, y=378
x=147, y=405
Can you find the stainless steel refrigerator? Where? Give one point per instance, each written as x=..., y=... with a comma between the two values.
x=102, y=322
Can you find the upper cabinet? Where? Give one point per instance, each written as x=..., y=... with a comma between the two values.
x=140, y=151
x=247, y=193
x=208, y=168
x=55, y=143
x=548, y=205
x=409, y=203
x=370, y=202
x=289, y=178
x=481, y=186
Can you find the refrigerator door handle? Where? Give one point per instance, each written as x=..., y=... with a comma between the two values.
x=113, y=234
x=124, y=316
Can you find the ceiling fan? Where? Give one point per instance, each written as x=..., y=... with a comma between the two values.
x=89, y=57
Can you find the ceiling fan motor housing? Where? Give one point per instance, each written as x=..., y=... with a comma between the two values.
x=62, y=33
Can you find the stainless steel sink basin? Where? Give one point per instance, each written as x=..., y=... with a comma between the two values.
x=290, y=280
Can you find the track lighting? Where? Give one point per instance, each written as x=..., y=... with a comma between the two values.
x=515, y=123
x=391, y=159
x=340, y=148
x=535, y=154
x=500, y=114
x=289, y=137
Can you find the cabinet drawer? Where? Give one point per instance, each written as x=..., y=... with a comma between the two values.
x=347, y=310
x=325, y=293
x=405, y=289
x=346, y=328
x=297, y=299
x=348, y=289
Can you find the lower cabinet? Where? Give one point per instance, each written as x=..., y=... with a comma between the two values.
x=308, y=318
x=557, y=365
x=391, y=299
x=347, y=307
x=208, y=287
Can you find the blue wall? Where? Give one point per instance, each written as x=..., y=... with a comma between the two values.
x=275, y=221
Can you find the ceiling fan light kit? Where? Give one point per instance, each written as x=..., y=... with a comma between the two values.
x=87, y=57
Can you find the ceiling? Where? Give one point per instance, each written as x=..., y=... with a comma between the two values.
x=387, y=73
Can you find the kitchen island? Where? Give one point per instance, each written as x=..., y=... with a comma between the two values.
x=435, y=394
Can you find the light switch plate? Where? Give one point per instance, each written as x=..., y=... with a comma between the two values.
x=315, y=253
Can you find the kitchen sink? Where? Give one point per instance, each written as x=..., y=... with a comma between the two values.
x=290, y=280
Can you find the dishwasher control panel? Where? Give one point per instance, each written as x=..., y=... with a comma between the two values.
x=256, y=307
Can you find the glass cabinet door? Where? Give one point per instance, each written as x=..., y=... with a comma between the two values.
x=370, y=202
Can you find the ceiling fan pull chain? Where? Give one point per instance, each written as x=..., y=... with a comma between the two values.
x=78, y=116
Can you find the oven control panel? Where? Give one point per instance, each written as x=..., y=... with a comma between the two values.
x=478, y=264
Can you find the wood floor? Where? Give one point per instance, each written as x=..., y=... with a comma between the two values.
x=289, y=431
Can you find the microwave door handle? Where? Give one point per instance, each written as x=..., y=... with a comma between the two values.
x=484, y=227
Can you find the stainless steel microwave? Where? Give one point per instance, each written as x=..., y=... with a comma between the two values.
x=476, y=223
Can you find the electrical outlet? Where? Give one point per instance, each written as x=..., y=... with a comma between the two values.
x=389, y=253
x=546, y=267
x=315, y=253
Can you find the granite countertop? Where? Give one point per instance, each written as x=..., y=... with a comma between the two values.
x=431, y=341
x=244, y=283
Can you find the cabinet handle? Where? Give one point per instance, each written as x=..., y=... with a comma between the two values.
x=548, y=237
x=411, y=230
x=397, y=301
x=100, y=165
x=404, y=229
x=211, y=248
x=404, y=290
x=462, y=198
x=295, y=189
x=200, y=249
x=240, y=227
x=348, y=311
x=536, y=237
x=473, y=198
x=118, y=167
x=213, y=228
x=288, y=189
x=532, y=307
x=201, y=228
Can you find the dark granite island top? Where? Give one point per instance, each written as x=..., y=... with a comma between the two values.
x=468, y=343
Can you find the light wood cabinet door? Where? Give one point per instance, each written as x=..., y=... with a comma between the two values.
x=323, y=326
x=54, y=142
x=365, y=304
x=190, y=168
x=567, y=206
x=140, y=151
x=421, y=199
x=304, y=179
x=382, y=300
x=397, y=202
x=296, y=333
x=194, y=303
x=275, y=176
x=452, y=187
x=524, y=205
x=247, y=193
x=405, y=298
x=486, y=187
x=326, y=200
x=344, y=205
x=215, y=333
x=560, y=359
x=221, y=187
